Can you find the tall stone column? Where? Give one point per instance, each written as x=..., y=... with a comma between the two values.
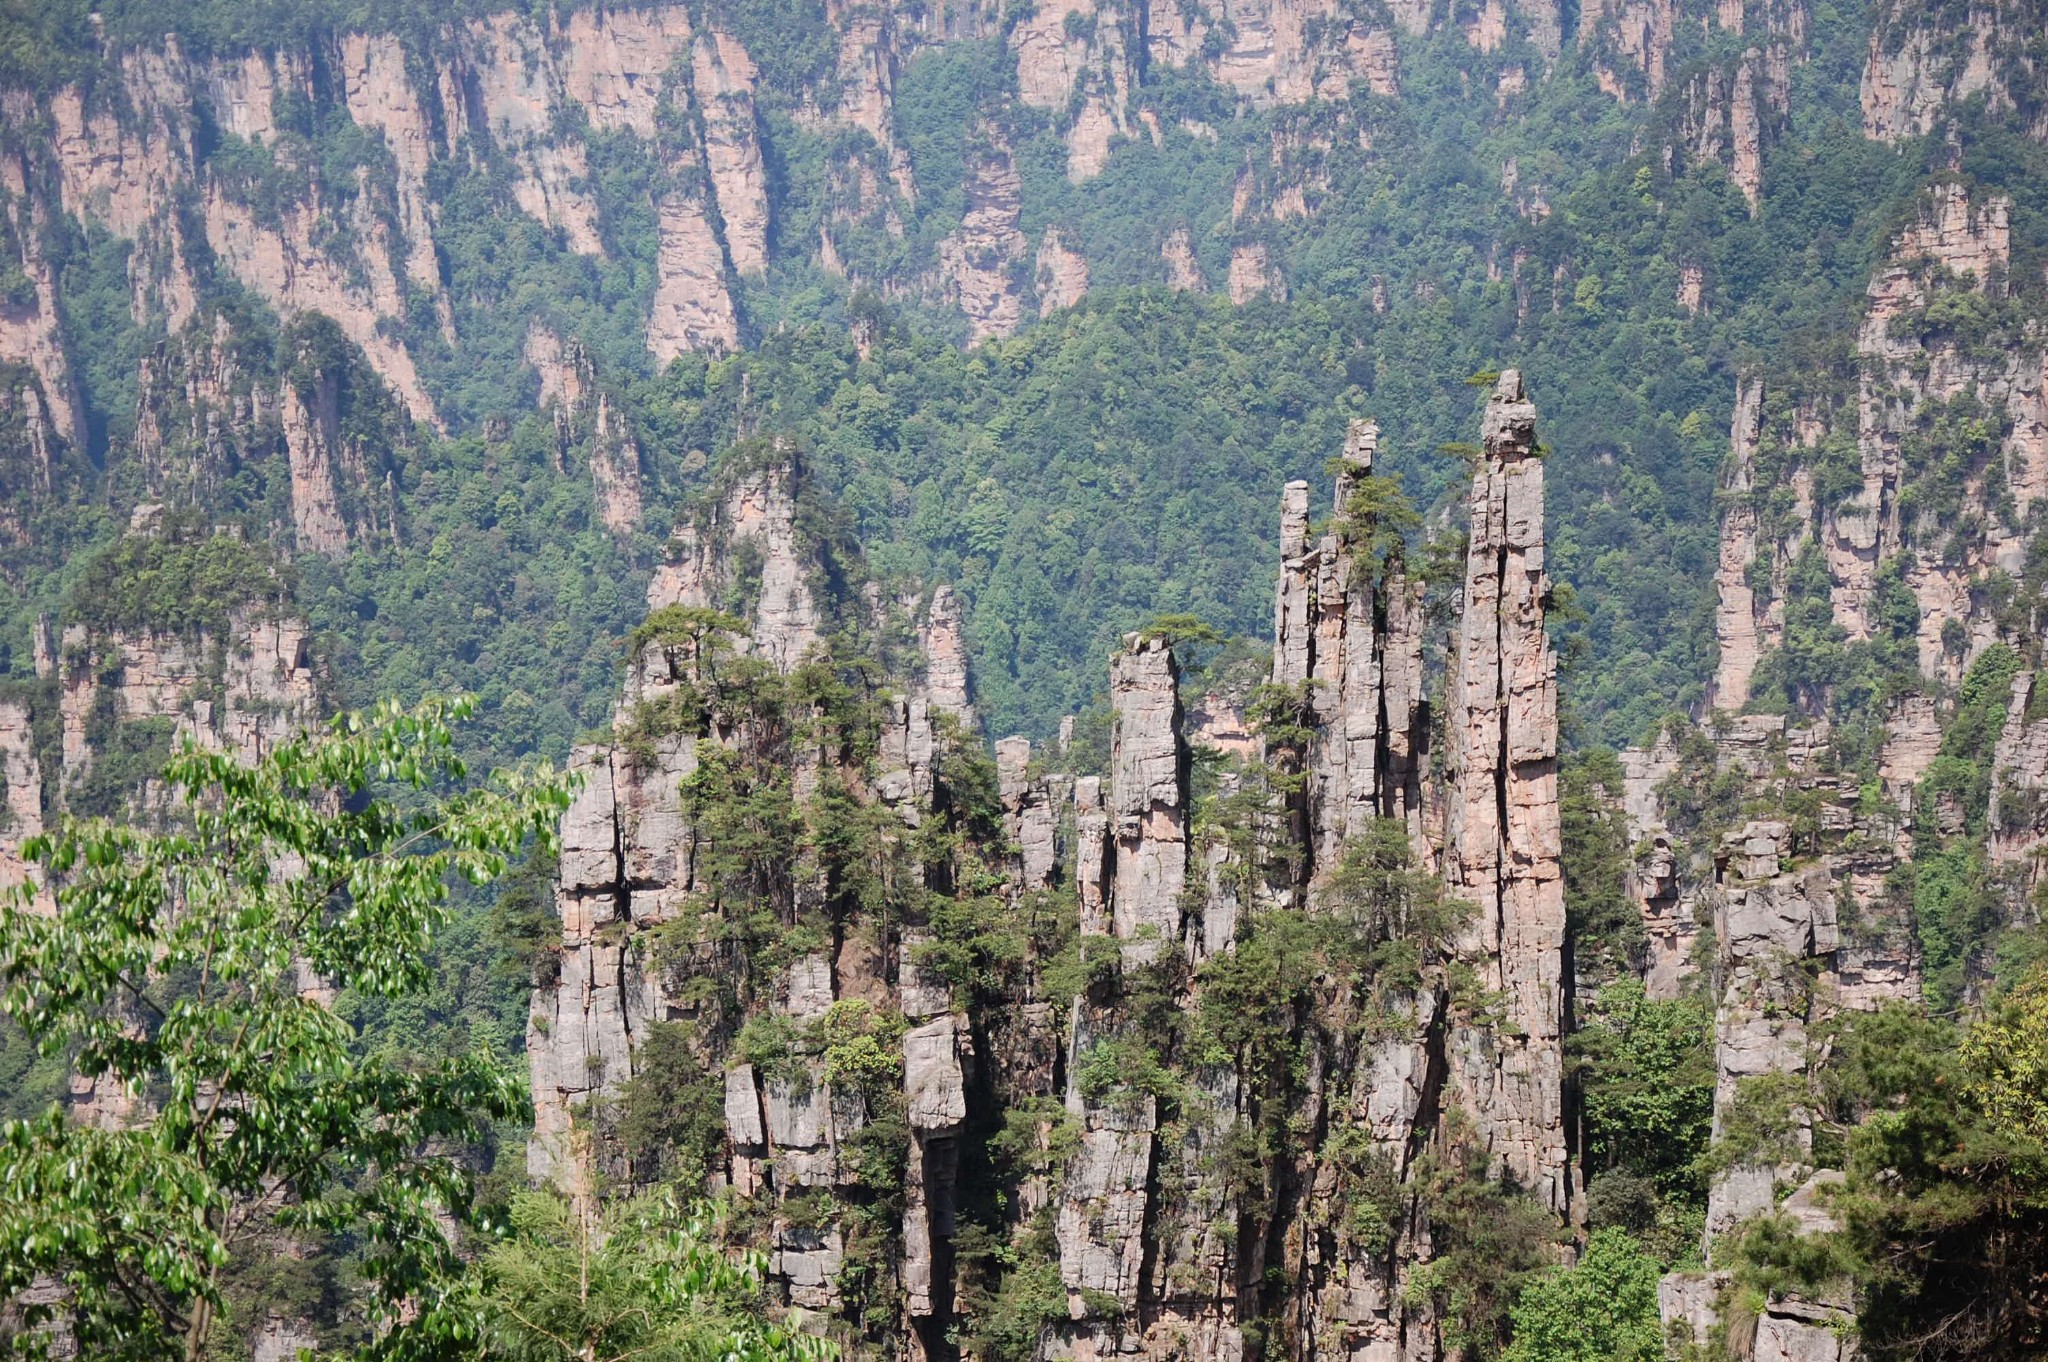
x=1502, y=837
x=1148, y=792
x=1358, y=642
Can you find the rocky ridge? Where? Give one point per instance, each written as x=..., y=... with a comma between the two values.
x=1836, y=518
x=1918, y=369
x=864, y=1176
x=532, y=98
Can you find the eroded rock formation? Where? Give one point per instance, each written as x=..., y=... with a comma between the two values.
x=1921, y=63
x=587, y=418
x=1116, y=1115
x=981, y=264
x=1916, y=370
x=1502, y=841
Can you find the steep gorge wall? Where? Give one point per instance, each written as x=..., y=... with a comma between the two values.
x=1875, y=575
x=1946, y=417
x=207, y=164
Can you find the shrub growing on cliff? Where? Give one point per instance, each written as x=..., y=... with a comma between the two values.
x=1491, y=1240
x=1603, y=922
x=1646, y=1074
x=183, y=579
x=1944, y=1214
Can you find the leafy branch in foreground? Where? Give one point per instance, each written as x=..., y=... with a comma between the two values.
x=187, y=970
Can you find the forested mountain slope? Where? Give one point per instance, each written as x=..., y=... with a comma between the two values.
x=852, y=379
x=1640, y=205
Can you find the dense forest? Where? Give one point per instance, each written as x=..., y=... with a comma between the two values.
x=1418, y=917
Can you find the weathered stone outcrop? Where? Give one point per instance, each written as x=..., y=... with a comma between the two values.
x=1158, y=1255
x=1915, y=368
x=1351, y=634
x=1147, y=800
x=1768, y=922
x=1630, y=34
x=364, y=252
x=1739, y=634
x=757, y=518
x=641, y=891
x=588, y=419
x=693, y=308
x=1253, y=273
x=1956, y=243
x=242, y=692
x=207, y=410
x=2018, y=816
x=1183, y=270
x=1031, y=814
x=1804, y=926
x=1502, y=839
x=310, y=436
x=722, y=81
x=1079, y=51
x=863, y=99
x=1670, y=927
x=1922, y=62
x=942, y=639
x=287, y=264
x=380, y=95
x=1733, y=112
x=21, y=790
x=30, y=328
x=31, y=454
x=1277, y=51
x=1061, y=273
x=980, y=265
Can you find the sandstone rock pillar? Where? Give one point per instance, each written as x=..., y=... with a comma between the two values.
x=1357, y=640
x=1148, y=798
x=1502, y=839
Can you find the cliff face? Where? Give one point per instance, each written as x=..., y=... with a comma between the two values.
x=1100, y=1119
x=362, y=250
x=1502, y=840
x=1922, y=62
x=589, y=420
x=306, y=422
x=1845, y=534
x=214, y=170
x=1805, y=925
x=982, y=263
x=1732, y=111
x=1920, y=368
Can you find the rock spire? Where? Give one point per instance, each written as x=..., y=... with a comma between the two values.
x=1502, y=841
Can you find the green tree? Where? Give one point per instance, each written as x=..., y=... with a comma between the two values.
x=187, y=968
x=1944, y=1214
x=1602, y=1309
x=1647, y=1078
x=642, y=1281
x=1605, y=927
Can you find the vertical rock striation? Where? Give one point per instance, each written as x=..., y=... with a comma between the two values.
x=1148, y=799
x=981, y=263
x=1502, y=839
